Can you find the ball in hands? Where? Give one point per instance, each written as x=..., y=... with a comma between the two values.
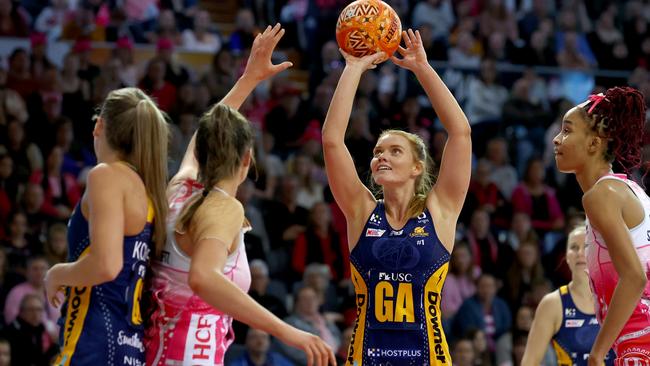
x=368, y=26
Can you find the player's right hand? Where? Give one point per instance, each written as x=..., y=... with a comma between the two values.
x=318, y=352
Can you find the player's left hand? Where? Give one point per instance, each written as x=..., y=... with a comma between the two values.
x=53, y=290
x=259, y=66
x=413, y=56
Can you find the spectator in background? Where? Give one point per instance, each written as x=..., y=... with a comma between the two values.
x=360, y=141
x=87, y=70
x=308, y=318
x=521, y=230
x=525, y=270
x=32, y=203
x=438, y=14
x=488, y=254
x=221, y=75
x=245, y=31
x=26, y=156
x=56, y=246
x=463, y=352
x=485, y=195
x=258, y=352
x=8, y=188
x=12, y=106
x=38, y=58
x=5, y=352
x=257, y=239
x=175, y=72
x=485, y=100
x=460, y=282
x=19, y=77
x=30, y=343
x=34, y=285
x=310, y=191
x=6, y=283
x=18, y=243
x=13, y=20
x=62, y=192
x=154, y=84
x=523, y=323
x=484, y=311
x=83, y=24
x=318, y=277
x=200, y=38
x=482, y=354
x=538, y=200
x=128, y=71
x=502, y=173
x=52, y=18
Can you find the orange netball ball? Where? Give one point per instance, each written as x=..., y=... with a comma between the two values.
x=368, y=26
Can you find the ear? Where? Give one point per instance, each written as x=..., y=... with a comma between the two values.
x=99, y=127
x=596, y=144
x=418, y=168
x=247, y=159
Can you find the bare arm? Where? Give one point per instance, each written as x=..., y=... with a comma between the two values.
x=548, y=318
x=350, y=194
x=102, y=261
x=258, y=68
x=632, y=277
x=455, y=168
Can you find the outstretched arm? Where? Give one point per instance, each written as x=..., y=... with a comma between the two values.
x=258, y=68
x=455, y=169
x=349, y=192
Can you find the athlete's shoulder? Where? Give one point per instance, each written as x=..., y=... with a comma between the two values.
x=551, y=304
x=606, y=193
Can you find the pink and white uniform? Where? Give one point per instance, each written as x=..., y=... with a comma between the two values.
x=184, y=329
x=632, y=345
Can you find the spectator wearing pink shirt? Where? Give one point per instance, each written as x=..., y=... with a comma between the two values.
x=460, y=281
x=36, y=269
x=538, y=200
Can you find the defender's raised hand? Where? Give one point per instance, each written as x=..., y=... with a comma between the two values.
x=259, y=66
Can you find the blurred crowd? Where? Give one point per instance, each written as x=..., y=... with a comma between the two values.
x=519, y=209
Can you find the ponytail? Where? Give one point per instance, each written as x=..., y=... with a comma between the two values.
x=150, y=140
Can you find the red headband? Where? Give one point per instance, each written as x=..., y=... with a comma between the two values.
x=595, y=100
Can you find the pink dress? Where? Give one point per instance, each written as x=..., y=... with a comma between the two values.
x=184, y=329
x=632, y=345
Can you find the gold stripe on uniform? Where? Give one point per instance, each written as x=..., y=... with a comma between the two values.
x=355, y=353
x=563, y=358
x=78, y=303
x=438, y=347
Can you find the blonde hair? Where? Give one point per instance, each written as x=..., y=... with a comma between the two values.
x=424, y=182
x=138, y=130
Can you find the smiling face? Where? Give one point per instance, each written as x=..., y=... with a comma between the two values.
x=574, y=145
x=393, y=161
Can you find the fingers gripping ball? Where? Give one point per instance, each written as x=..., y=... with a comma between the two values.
x=368, y=26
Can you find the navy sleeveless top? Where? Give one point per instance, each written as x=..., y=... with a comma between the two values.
x=398, y=276
x=102, y=325
x=572, y=343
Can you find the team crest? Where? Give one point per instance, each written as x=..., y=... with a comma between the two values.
x=419, y=232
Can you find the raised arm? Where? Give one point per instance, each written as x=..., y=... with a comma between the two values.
x=548, y=318
x=350, y=194
x=632, y=278
x=258, y=68
x=456, y=166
